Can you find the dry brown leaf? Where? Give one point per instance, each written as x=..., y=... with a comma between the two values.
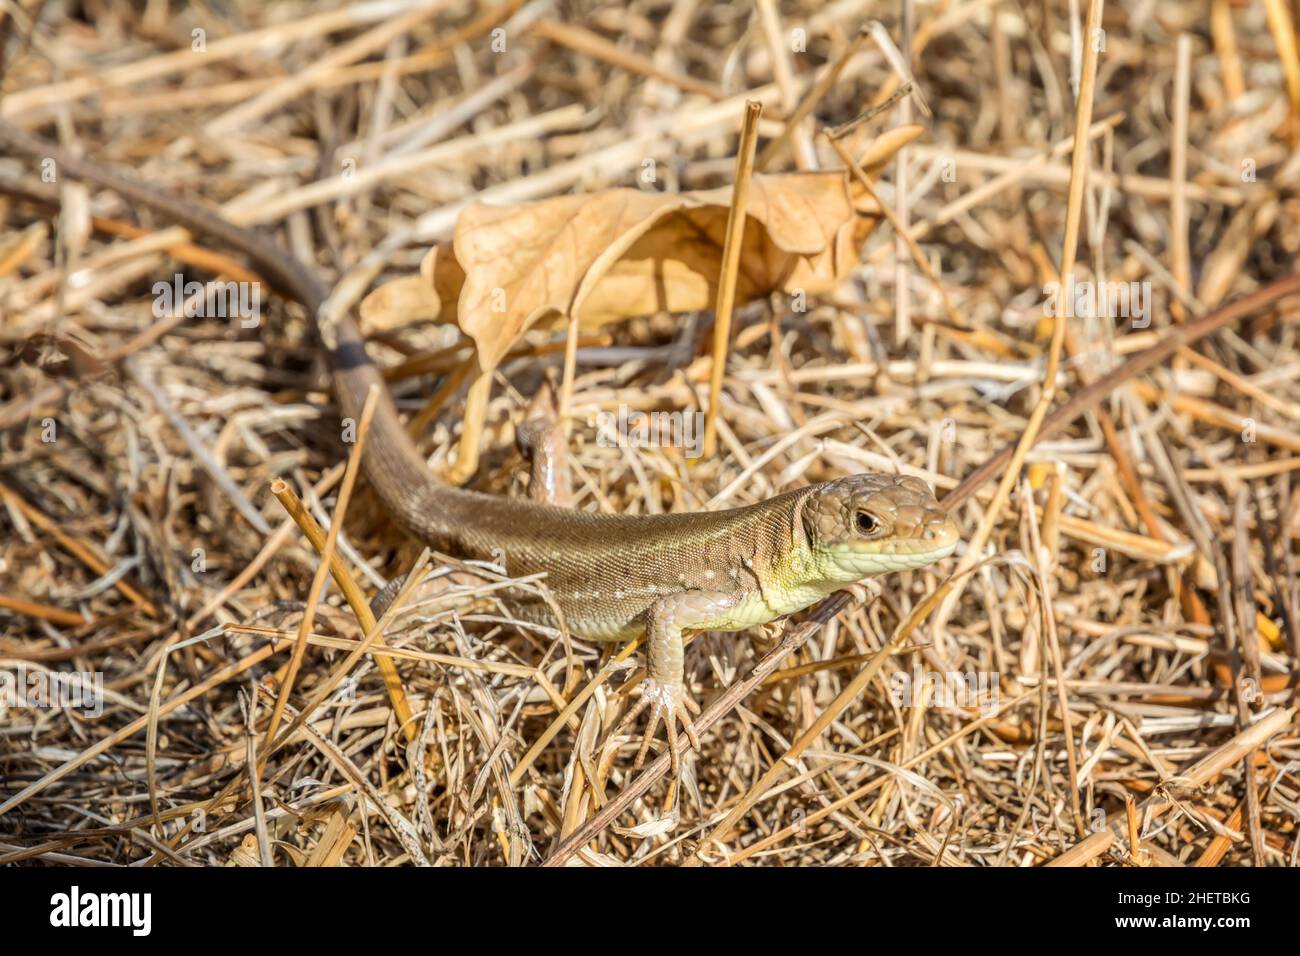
x=429, y=297
x=620, y=253
x=397, y=303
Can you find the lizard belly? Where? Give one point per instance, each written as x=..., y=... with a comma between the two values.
x=592, y=615
x=621, y=617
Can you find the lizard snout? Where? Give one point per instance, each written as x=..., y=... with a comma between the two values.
x=933, y=529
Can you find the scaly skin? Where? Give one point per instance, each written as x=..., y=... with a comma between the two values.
x=613, y=576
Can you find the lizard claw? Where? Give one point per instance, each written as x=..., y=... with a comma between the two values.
x=667, y=702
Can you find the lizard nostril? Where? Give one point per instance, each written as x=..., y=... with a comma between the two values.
x=929, y=535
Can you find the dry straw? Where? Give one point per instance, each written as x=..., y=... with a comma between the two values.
x=1124, y=481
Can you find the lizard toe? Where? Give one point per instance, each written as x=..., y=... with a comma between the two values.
x=671, y=704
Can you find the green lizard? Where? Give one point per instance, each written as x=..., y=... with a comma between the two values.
x=614, y=577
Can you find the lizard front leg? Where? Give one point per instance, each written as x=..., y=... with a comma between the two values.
x=663, y=691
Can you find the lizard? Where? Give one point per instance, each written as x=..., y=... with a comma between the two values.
x=614, y=577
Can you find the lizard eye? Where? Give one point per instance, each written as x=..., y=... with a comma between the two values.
x=866, y=523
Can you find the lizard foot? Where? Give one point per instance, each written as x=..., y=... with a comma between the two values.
x=669, y=702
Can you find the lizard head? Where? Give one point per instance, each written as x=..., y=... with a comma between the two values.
x=873, y=524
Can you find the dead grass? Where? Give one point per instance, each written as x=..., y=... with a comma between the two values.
x=1124, y=618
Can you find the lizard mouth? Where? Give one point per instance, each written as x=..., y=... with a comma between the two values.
x=898, y=554
x=895, y=556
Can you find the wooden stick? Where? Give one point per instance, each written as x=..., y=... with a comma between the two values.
x=373, y=635
x=1225, y=44
x=55, y=615
x=353, y=595
x=730, y=270
x=323, y=568
x=902, y=187
x=1073, y=218
x=1180, y=261
x=595, y=45
x=1283, y=30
